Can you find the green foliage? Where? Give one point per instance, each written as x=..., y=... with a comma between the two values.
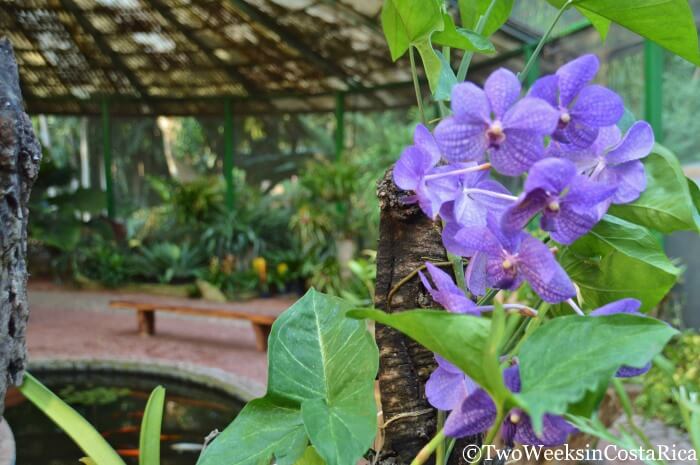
x=461, y=339
x=669, y=23
x=419, y=24
x=666, y=205
x=619, y=259
x=85, y=436
x=149, y=436
x=105, y=262
x=570, y=355
x=167, y=262
x=320, y=389
x=471, y=10
x=656, y=398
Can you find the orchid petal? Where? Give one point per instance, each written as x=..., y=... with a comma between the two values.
x=574, y=75
x=597, y=106
x=517, y=153
x=547, y=89
x=460, y=140
x=637, y=143
x=533, y=115
x=476, y=415
x=502, y=89
x=546, y=277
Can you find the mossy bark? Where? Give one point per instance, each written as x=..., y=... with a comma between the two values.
x=20, y=156
x=407, y=239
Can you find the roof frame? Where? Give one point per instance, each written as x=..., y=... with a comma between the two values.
x=104, y=47
x=291, y=40
x=231, y=71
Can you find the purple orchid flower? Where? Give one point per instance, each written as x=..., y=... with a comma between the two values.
x=475, y=196
x=448, y=386
x=411, y=169
x=502, y=259
x=616, y=161
x=493, y=120
x=631, y=307
x=583, y=109
x=477, y=413
x=433, y=185
x=446, y=292
x=565, y=199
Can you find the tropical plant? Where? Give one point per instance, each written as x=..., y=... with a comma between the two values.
x=522, y=374
x=167, y=262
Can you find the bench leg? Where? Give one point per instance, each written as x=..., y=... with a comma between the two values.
x=147, y=322
x=262, y=332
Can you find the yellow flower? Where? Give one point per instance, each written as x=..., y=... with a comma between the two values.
x=260, y=267
x=282, y=269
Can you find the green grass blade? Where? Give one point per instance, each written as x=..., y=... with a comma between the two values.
x=149, y=441
x=78, y=428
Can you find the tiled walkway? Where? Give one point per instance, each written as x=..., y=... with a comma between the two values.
x=79, y=326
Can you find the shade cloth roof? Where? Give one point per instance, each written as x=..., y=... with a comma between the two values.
x=182, y=57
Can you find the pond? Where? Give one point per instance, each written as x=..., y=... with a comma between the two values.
x=113, y=403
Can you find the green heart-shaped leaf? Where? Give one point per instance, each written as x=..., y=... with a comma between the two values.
x=568, y=356
x=320, y=389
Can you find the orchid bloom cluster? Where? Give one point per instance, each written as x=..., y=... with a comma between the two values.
x=563, y=137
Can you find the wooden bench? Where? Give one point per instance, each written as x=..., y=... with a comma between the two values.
x=146, y=312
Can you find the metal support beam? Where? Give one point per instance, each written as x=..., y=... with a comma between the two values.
x=653, y=83
x=228, y=152
x=534, y=71
x=107, y=158
x=339, y=124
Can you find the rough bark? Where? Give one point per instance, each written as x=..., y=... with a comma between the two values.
x=20, y=156
x=407, y=238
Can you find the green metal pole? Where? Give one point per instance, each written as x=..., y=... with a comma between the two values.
x=107, y=158
x=653, y=82
x=228, y=152
x=534, y=71
x=339, y=124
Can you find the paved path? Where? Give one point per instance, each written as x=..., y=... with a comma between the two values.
x=78, y=325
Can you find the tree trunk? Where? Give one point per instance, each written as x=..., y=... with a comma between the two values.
x=407, y=238
x=20, y=156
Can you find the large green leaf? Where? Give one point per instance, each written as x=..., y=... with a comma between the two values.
x=407, y=22
x=149, y=437
x=471, y=10
x=667, y=204
x=320, y=388
x=71, y=422
x=568, y=356
x=618, y=259
x=461, y=339
x=670, y=23
x=461, y=38
x=262, y=430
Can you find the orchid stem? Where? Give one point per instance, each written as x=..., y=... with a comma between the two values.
x=467, y=58
x=543, y=40
x=429, y=448
x=575, y=306
x=416, y=84
x=515, y=308
x=440, y=451
x=497, y=195
x=470, y=169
